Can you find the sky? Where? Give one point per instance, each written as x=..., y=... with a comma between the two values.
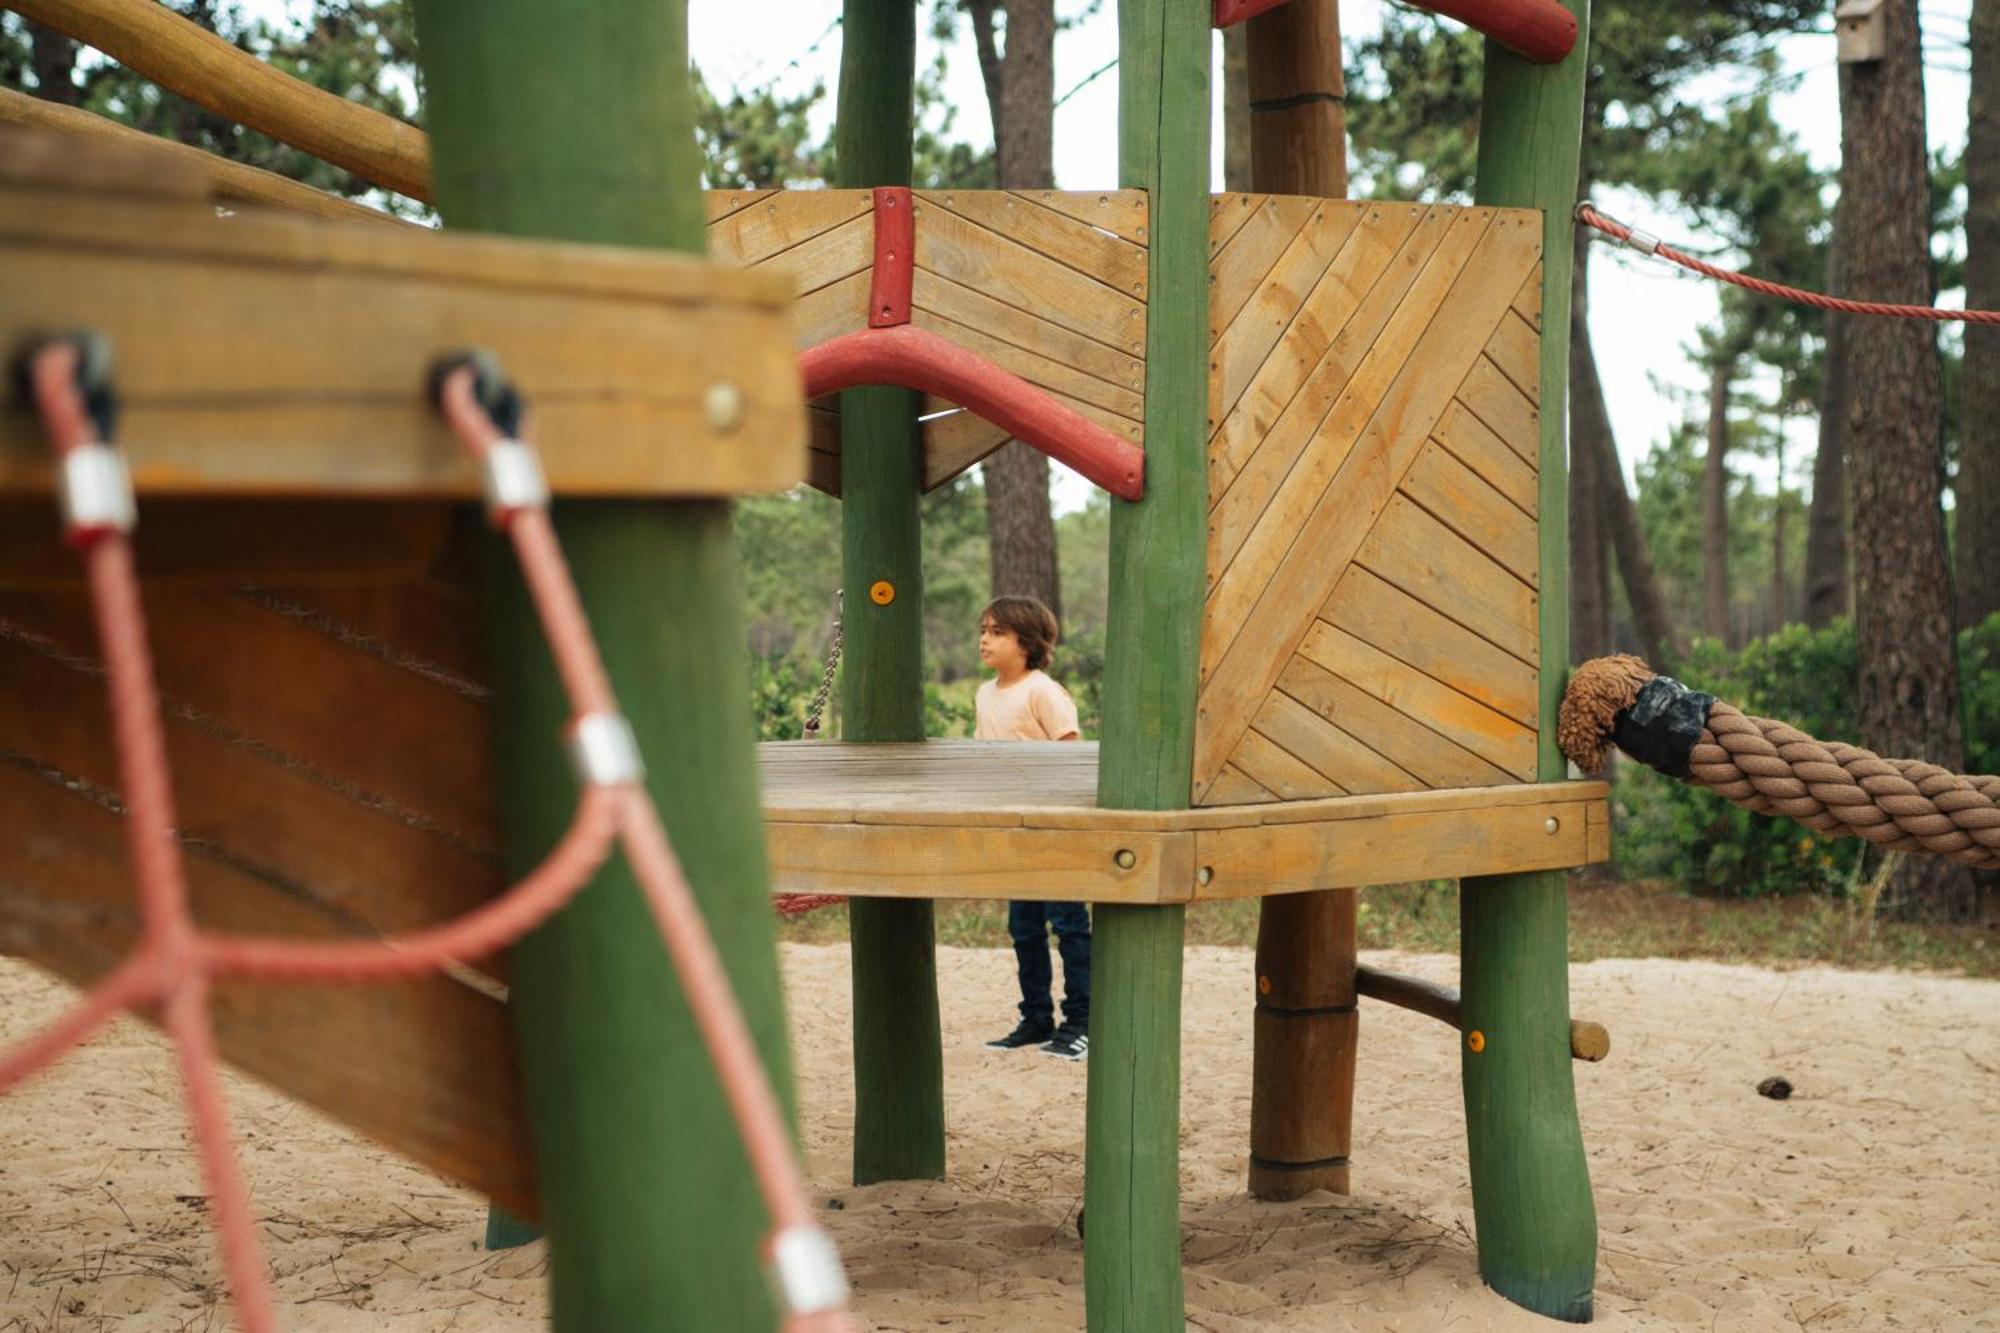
x=1644, y=313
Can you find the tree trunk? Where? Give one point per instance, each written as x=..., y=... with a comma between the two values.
x=1908, y=686
x=55, y=65
x=1020, y=529
x=1826, y=525
x=1590, y=444
x=1236, y=108
x=1779, y=596
x=1715, y=504
x=1979, y=385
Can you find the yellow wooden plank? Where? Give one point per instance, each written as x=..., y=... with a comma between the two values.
x=1406, y=741
x=954, y=443
x=1328, y=532
x=1235, y=270
x=267, y=355
x=1028, y=329
x=1597, y=832
x=1528, y=301
x=1516, y=348
x=780, y=220
x=1254, y=528
x=1411, y=549
x=1081, y=246
x=975, y=257
x=1473, y=444
x=1390, y=849
x=1273, y=308
x=1491, y=735
x=1235, y=787
x=1355, y=272
x=1118, y=409
x=1350, y=764
x=946, y=861
x=719, y=204
x=1362, y=808
x=1505, y=410
x=1456, y=495
x=1227, y=213
x=831, y=310
x=1390, y=619
x=1351, y=375
x=826, y=258
x=1120, y=212
x=1283, y=773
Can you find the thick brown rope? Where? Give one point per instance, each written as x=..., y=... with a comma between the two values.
x=1772, y=768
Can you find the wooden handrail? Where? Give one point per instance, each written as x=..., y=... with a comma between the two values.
x=182, y=57
x=1587, y=1040
x=230, y=182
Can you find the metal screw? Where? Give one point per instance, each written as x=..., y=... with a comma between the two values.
x=1204, y=875
x=1551, y=824
x=723, y=406
x=1125, y=858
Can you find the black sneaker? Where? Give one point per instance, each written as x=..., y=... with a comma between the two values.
x=1027, y=1034
x=1068, y=1043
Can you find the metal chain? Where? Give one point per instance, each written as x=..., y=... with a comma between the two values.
x=832, y=664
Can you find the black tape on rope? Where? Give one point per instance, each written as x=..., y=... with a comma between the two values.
x=1663, y=724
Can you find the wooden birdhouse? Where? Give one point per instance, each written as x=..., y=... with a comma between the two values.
x=1862, y=29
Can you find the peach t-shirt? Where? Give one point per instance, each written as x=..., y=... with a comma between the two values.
x=1033, y=708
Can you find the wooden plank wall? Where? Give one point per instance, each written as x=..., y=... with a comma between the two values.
x=1048, y=284
x=1371, y=612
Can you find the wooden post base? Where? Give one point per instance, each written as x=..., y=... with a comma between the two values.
x=1303, y=1038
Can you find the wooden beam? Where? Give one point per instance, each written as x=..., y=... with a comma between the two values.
x=1587, y=1040
x=226, y=182
x=1536, y=1223
x=153, y=41
x=898, y=1041
x=653, y=1217
x=263, y=354
x=1132, y=1271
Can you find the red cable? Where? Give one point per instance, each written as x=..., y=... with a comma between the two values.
x=174, y=962
x=1647, y=244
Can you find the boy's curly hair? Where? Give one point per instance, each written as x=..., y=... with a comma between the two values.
x=1030, y=621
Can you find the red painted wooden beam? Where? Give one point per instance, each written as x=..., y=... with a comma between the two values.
x=918, y=359
x=1539, y=30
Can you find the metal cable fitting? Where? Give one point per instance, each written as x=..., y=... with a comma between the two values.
x=604, y=752
x=514, y=481
x=1643, y=241
x=96, y=491
x=806, y=1272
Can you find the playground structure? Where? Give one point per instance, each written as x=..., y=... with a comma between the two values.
x=1337, y=575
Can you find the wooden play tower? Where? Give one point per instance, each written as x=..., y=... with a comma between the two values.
x=1336, y=632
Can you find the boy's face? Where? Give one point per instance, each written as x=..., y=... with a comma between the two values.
x=1000, y=648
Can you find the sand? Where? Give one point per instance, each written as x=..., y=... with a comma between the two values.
x=1869, y=1199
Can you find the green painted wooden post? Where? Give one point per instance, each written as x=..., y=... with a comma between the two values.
x=1132, y=1270
x=898, y=1047
x=1530, y=1183
x=575, y=121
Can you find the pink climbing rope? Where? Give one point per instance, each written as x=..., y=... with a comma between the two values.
x=1648, y=244
x=175, y=962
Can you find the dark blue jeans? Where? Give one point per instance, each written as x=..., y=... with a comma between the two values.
x=1029, y=924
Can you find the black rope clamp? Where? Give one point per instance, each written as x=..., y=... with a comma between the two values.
x=93, y=375
x=1663, y=725
x=492, y=389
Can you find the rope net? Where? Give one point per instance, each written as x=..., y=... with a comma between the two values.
x=175, y=961
x=1648, y=244
x=1772, y=768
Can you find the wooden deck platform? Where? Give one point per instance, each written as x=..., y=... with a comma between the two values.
x=1015, y=819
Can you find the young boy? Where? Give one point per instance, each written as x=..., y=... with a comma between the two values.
x=1021, y=703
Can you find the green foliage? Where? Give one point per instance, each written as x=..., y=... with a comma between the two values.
x=1707, y=846
x=757, y=140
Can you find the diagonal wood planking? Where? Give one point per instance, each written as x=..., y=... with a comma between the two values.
x=1370, y=623
x=1050, y=285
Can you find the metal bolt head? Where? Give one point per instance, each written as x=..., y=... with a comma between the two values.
x=1551, y=824
x=1204, y=875
x=1125, y=858
x=1475, y=1041
x=723, y=405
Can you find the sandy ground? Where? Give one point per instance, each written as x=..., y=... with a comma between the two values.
x=1870, y=1199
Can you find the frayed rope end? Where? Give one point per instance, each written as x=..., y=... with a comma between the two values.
x=1598, y=691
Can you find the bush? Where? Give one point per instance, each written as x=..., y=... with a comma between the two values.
x=1670, y=830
